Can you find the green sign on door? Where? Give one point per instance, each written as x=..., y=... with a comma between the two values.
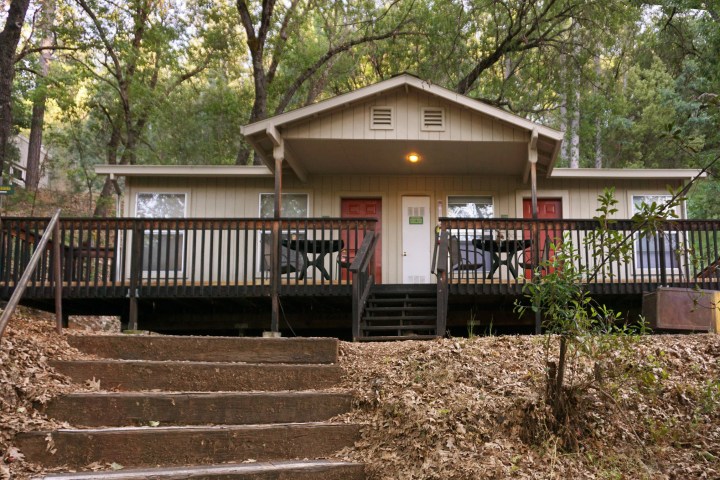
x=416, y=220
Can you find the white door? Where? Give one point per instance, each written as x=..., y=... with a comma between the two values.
x=417, y=239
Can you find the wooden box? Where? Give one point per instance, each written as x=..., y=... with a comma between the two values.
x=683, y=309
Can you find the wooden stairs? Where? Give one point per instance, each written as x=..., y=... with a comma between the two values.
x=397, y=312
x=199, y=407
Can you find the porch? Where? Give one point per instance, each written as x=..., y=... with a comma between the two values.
x=129, y=265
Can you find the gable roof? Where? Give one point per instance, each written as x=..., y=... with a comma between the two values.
x=401, y=80
x=312, y=136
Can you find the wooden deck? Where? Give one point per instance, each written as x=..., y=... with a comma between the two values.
x=116, y=261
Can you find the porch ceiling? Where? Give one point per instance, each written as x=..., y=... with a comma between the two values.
x=388, y=157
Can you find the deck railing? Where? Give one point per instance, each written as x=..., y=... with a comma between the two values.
x=499, y=255
x=132, y=257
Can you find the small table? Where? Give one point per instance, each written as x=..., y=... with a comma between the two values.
x=496, y=247
x=318, y=248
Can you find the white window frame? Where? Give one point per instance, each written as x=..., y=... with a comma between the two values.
x=181, y=243
x=640, y=260
x=261, y=270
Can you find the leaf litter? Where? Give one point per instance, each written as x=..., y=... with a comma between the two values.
x=459, y=409
x=453, y=408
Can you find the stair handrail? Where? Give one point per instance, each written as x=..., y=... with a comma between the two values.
x=52, y=229
x=442, y=282
x=362, y=279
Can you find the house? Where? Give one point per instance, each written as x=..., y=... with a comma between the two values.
x=396, y=209
x=18, y=170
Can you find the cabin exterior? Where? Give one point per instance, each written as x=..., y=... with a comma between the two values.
x=390, y=211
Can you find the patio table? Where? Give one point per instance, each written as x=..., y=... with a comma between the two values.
x=507, y=247
x=317, y=248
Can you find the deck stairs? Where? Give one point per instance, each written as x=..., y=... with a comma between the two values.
x=199, y=407
x=397, y=312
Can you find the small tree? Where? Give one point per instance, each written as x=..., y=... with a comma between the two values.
x=580, y=329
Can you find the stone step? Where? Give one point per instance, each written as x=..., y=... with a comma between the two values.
x=208, y=349
x=117, y=409
x=289, y=470
x=134, y=375
x=149, y=447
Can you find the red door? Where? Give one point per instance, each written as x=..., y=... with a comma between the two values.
x=362, y=208
x=548, y=208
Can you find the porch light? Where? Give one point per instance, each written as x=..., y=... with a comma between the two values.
x=413, y=157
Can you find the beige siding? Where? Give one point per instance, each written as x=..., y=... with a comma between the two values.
x=241, y=197
x=353, y=122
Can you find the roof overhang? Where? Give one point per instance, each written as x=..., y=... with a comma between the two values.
x=183, y=170
x=629, y=173
x=364, y=155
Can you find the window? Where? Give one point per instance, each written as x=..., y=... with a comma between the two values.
x=469, y=207
x=294, y=205
x=655, y=251
x=462, y=238
x=162, y=249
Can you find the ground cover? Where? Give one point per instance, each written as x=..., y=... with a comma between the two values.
x=461, y=408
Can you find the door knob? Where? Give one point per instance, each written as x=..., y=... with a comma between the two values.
x=404, y=254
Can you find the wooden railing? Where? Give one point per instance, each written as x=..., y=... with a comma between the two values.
x=131, y=257
x=40, y=257
x=441, y=270
x=499, y=255
x=363, y=278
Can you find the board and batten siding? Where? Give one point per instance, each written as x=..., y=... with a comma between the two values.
x=353, y=122
x=240, y=197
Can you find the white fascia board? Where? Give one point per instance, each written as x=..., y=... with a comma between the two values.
x=201, y=171
x=657, y=173
x=400, y=80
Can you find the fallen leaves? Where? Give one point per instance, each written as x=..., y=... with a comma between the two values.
x=456, y=409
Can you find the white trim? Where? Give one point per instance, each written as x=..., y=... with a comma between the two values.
x=392, y=83
x=184, y=170
x=625, y=173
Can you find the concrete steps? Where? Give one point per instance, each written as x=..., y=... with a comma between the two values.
x=197, y=407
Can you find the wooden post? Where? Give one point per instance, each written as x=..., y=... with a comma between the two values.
x=532, y=158
x=275, y=254
x=57, y=273
x=135, y=275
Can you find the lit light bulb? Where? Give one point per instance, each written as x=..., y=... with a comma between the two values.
x=413, y=158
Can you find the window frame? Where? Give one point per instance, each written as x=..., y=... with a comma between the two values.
x=147, y=273
x=640, y=260
x=265, y=272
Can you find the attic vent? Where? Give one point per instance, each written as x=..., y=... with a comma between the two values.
x=433, y=119
x=382, y=118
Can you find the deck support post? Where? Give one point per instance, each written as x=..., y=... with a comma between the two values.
x=136, y=265
x=533, y=158
x=57, y=275
x=278, y=153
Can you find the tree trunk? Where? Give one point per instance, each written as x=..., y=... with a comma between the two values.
x=575, y=131
x=102, y=205
x=598, y=119
x=9, y=39
x=32, y=179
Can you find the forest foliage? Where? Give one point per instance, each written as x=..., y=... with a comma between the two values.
x=172, y=81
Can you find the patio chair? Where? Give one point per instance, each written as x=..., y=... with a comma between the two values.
x=290, y=260
x=465, y=257
x=527, y=262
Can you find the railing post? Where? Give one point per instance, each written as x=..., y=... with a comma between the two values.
x=135, y=274
x=442, y=283
x=661, y=260
x=536, y=253
x=57, y=274
x=275, y=277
